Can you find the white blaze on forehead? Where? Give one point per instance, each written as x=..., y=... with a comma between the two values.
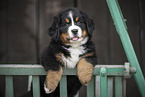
x=71, y=17
x=73, y=26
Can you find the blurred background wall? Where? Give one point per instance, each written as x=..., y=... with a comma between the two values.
x=24, y=25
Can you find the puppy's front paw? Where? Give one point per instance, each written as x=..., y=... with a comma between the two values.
x=47, y=90
x=52, y=80
x=85, y=71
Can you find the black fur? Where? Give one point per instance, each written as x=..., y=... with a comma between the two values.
x=54, y=29
x=89, y=23
x=48, y=59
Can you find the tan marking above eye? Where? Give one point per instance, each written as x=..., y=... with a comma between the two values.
x=67, y=21
x=77, y=18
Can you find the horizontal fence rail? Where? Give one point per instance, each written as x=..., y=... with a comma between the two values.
x=101, y=84
x=36, y=69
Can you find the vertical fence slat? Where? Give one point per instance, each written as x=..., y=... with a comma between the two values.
x=118, y=87
x=63, y=86
x=97, y=90
x=36, y=86
x=9, y=86
x=91, y=88
x=103, y=82
x=29, y=82
x=110, y=86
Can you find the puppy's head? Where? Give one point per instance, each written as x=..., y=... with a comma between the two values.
x=71, y=26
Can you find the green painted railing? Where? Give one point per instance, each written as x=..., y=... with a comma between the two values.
x=101, y=84
x=121, y=28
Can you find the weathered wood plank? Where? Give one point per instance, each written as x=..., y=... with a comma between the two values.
x=124, y=87
x=91, y=88
x=103, y=82
x=36, y=86
x=97, y=90
x=9, y=87
x=118, y=87
x=110, y=87
x=39, y=70
x=63, y=86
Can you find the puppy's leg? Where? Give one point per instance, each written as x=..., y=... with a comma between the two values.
x=52, y=80
x=85, y=70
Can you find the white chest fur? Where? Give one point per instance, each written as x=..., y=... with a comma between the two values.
x=70, y=62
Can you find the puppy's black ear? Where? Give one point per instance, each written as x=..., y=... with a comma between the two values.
x=89, y=23
x=53, y=31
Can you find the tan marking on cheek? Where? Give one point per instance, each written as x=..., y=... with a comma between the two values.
x=64, y=37
x=84, y=33
x=67, y=20
x=59, y=57
x=85, y=71
x=77, y=18
x=53, y=78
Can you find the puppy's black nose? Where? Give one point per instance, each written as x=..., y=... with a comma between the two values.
x=74, y=31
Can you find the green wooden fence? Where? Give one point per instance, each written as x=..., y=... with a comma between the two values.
x=121, y=28
x=101, y=84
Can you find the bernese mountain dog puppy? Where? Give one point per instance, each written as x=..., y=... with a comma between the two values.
x=71, y=47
